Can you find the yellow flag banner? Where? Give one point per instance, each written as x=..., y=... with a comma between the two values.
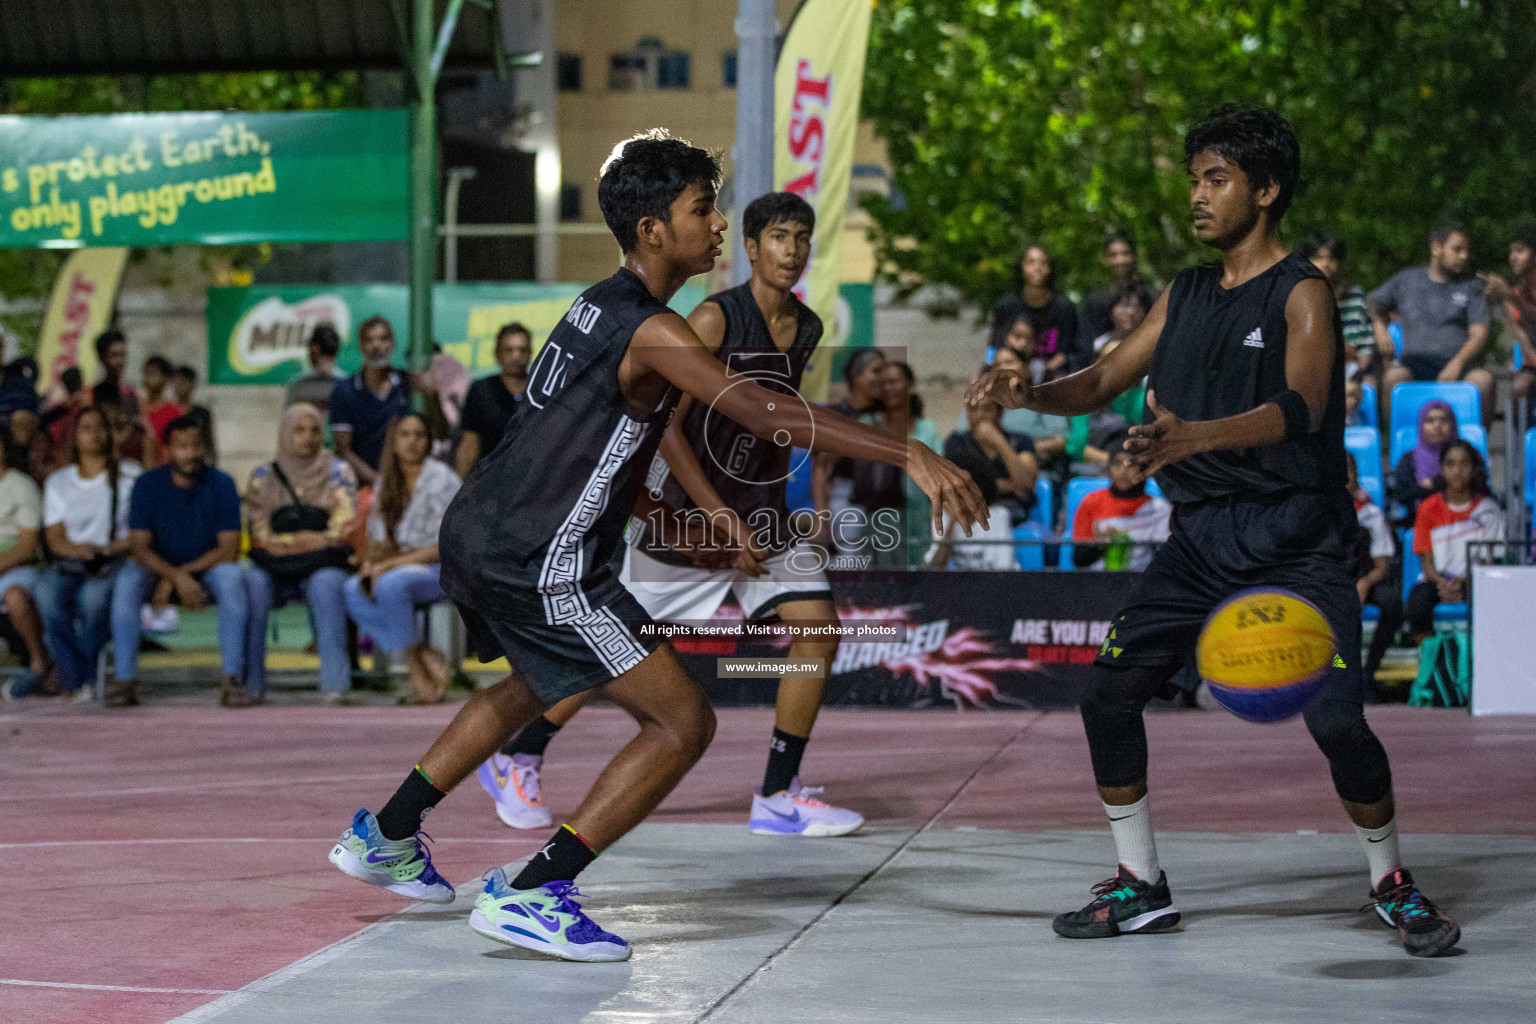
x=816, y=115
x=79, y=309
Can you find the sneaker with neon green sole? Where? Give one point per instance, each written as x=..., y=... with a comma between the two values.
x=546, y=919
x=402, y=866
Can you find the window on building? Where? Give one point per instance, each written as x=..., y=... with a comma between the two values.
x=673, y=70
x=570, y=202
x=568, y=72
x=628, y=72
x=728, y=69
x=650, y=65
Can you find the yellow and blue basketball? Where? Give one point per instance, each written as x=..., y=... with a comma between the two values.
x=1264, y=654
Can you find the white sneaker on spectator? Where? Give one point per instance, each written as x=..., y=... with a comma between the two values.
x=513, y=783
x=166, y=620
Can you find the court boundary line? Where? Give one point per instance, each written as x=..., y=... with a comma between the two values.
x=116, y=988
x=298, y=968
x=746, y=982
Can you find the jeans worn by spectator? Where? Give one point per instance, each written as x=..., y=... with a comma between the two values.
x=134, y=584
x=390, y=617
x=75, y=611
x=321, y=591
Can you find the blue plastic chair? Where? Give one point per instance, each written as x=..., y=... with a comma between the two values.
x=1530, y=468
x=1045, y=502
x=797, y=487
x=1407, y=437
x=1030, y=556
x=1395, y=332
x=1413, y=573
x=1078, y=488
x=1365, y=444
x=1407, y=399
x=1519, y=358
x=1368, y=405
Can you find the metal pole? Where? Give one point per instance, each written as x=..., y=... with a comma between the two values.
x=456, y=177
x=423, y=236
x=755, y=31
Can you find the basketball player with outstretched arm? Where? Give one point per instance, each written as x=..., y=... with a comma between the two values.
x=528, y=548
x=714, y=469
x=1246, y=434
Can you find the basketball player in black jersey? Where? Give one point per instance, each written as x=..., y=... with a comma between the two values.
x=528, y=549
x=1245, y=433
x=712, y=469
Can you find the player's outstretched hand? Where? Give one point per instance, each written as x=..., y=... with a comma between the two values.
x=949, y=487
x=1008, y=388
x=1166, y=439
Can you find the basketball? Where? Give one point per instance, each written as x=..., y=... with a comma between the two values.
x=1264, y=654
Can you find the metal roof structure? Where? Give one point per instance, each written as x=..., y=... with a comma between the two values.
x=141, y=37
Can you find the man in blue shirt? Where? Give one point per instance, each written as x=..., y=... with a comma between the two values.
x=363, y=404
x=184, y=534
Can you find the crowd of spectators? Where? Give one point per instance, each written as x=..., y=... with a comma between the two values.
x=113, y=509
x=113, y=513
x=1425, y=323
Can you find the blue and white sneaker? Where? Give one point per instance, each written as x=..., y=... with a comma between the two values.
x=547, y=919
x=403, y=866
x=796, y=812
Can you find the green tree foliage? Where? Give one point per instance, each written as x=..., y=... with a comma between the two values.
x=1052, y=120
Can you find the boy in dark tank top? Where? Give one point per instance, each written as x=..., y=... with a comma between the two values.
x=1244, y=430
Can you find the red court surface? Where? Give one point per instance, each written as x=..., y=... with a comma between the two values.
x=165, y=855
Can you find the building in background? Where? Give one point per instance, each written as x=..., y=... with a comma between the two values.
x=622, y=67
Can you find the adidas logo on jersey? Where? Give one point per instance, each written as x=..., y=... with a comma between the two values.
x=1255, y=339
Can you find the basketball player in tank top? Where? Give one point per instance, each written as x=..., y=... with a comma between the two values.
x=710, y=466
x=1245, y=433
x=529, y=548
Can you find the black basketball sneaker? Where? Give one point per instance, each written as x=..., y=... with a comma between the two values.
x=1122, y=904
x=1426, y=930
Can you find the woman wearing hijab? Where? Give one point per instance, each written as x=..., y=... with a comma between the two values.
x=1414, y=478
x=300, y=508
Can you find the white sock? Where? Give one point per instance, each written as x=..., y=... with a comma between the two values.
x=1380, y=846
x=1134, y=845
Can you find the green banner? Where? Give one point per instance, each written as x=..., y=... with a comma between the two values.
x=214, y=178
x=260, y=335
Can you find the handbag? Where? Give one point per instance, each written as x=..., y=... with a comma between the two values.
x=96, y=565
x=293, y=519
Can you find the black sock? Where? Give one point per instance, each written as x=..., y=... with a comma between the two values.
x=533, y=739
x=784, y=754
x=562, y=859
x=401, y=817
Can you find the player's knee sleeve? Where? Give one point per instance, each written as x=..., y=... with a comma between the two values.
x=1117, y=736
x=1361, y=772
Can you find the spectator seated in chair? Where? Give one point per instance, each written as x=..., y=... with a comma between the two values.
x=85, y=521
x=300, y=509
x=1116, y=527
x=185, y=523
x=1379, y=574
x=1008, y=458
x=1461, y=511
x=1414, y=477
x=21, y=523
x=401, y=570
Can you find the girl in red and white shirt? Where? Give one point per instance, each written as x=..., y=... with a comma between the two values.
x=1459, y=512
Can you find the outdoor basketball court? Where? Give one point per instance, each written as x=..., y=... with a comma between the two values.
x=169, y=864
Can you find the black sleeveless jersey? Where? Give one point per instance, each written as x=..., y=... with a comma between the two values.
x=547, y=507
x=747, y=471
x=1222, y=353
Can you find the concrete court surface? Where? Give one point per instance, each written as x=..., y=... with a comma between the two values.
x=171, y=862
